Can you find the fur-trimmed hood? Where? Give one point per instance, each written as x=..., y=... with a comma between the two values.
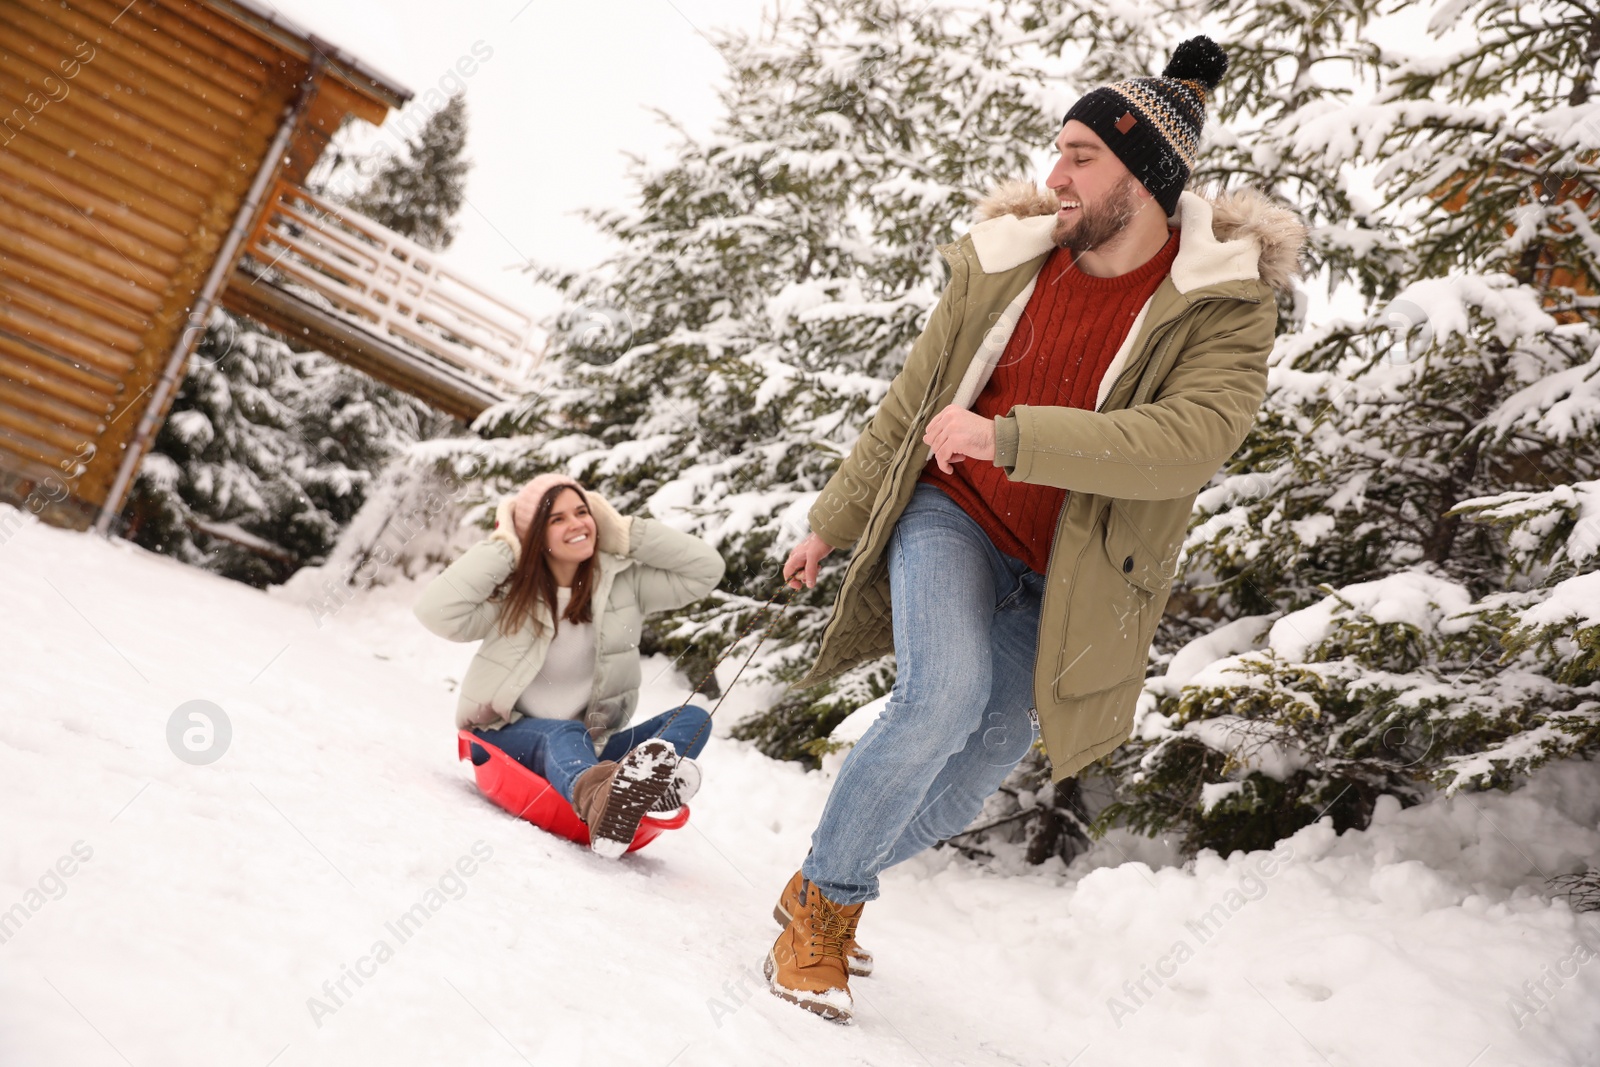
x=1226, y=236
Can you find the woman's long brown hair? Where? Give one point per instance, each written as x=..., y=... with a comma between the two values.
x=532, y=580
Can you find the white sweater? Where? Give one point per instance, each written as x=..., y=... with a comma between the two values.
x=565, y=680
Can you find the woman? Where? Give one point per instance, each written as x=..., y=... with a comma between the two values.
x=558, y=594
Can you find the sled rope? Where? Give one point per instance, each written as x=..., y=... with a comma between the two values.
x=765, y=608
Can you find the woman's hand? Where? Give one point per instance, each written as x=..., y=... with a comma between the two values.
x=802, y=563
x=505, y=529
x=613, y=530
x=956, y=434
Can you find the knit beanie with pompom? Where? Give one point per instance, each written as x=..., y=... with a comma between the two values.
x=1153, y=124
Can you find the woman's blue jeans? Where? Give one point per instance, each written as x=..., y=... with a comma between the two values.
x=558, y=750
x=966, y=622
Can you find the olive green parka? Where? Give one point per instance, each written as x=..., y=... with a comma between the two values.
x=1176, y=401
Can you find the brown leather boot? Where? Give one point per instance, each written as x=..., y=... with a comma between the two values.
x=856, y=958
x=806, y=965
x=611, y=797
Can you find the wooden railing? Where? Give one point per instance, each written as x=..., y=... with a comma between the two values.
x=394, y=288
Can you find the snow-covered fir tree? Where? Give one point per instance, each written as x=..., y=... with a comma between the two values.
x=1395, y=578
x=1378, y=591
x=767, y=286
x=268, y=453
x=417, y=190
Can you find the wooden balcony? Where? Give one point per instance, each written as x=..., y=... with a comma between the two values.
x=333, y=280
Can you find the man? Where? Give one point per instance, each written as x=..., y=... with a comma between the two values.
x=1018, y=501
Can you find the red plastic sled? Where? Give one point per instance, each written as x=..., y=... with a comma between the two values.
x=528, y=796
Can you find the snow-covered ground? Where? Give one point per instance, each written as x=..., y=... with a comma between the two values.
x=249, y=911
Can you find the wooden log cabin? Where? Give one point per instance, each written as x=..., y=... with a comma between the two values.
x=151, y=156
x=1516, y=183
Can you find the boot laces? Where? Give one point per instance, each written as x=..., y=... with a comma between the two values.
x=830, y=928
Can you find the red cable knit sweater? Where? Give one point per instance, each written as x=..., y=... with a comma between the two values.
x=1072, y=327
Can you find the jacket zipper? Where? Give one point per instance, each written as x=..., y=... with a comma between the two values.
x=594, y=675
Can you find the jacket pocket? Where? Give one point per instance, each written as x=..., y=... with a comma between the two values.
x=1143, y=541
x=1111, y=614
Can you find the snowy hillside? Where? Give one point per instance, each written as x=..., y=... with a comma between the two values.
x=244, y=912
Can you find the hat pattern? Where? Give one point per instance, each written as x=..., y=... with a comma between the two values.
x=1153, y=124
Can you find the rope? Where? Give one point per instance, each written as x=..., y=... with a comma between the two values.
x=765, y=608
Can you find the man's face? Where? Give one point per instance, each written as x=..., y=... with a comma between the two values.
x=1099, y=197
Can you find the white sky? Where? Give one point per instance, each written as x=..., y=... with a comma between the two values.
x=564, y=94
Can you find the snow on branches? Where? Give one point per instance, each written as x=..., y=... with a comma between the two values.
x=1402, y=557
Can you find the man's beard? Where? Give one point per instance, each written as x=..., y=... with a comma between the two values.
x=1095, y=226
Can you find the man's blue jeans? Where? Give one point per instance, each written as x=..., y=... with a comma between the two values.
x=966, y=622
x=558, y=750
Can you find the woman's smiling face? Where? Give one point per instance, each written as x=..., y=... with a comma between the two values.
x=570, y=536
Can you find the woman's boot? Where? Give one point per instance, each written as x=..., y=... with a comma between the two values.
x=685, y=784
x=611, y=797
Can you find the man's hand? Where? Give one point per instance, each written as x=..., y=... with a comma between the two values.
x=956, y=434
x=802, y=564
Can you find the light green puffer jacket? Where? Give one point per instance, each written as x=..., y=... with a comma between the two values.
x=655, y=568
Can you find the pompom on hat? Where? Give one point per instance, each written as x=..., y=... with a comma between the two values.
x=526, y=502
x=1153, y=124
